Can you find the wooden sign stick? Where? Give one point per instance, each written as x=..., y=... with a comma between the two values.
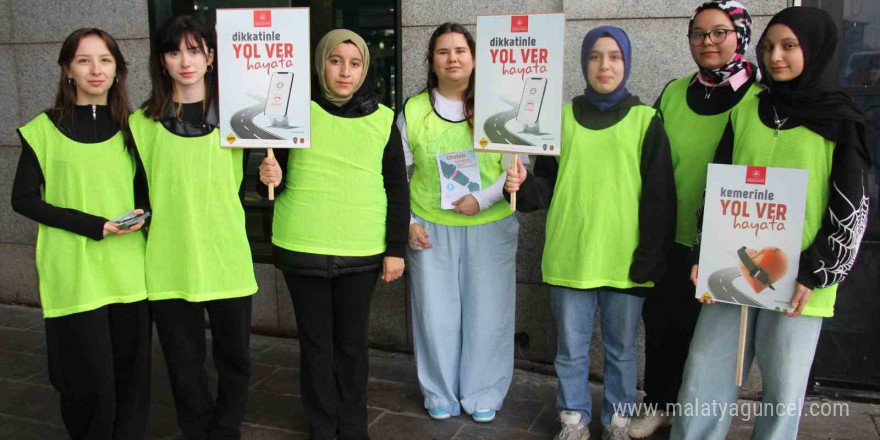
x=271, y=154
x=516, y=174
x=741, y=346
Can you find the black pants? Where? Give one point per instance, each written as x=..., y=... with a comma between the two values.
x=100, y=363
x=333, y=317
x=670, y=314
x=181, y=328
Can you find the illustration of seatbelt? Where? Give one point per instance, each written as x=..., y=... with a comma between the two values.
x=755, y=271
x=450, y=171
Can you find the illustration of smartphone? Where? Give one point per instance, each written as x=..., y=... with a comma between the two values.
x=279, y=94
x=532, y=98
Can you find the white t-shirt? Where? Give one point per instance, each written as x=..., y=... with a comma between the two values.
x=453, y=110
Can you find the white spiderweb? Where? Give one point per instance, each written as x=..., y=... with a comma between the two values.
x=845, y=241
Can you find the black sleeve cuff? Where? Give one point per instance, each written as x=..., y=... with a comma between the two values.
x=805, y=276
x=96, y=231
x=395, y=250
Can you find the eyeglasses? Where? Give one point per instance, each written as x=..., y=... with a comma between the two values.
x=716, y=36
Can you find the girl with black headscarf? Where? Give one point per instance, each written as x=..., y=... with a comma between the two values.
x=799, y=121
x=340, y=224
x=695, y=111
x=609, y=228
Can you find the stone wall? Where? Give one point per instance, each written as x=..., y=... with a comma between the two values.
x=31, y=33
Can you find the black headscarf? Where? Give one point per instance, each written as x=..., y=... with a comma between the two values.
x=820, y=107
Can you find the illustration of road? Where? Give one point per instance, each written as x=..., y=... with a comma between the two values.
x=498, y=134
x=721, y=286
x=244, y=127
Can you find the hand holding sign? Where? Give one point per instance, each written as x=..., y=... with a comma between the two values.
x=270, y=173
x=516, y=175
x=753, y=219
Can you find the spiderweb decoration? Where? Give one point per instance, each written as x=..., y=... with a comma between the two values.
x=845, y=241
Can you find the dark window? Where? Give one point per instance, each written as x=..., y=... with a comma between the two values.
x=848, y=355
x=377, y=21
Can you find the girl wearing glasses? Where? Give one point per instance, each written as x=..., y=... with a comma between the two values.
x=695, y=110
x=797, y=122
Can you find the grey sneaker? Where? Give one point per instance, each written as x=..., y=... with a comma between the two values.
x=617, y=429
x=572, y=428
x=644, y=425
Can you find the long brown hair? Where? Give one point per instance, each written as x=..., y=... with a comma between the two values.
x=433, y=81
x=167, y=39
x=117, y=97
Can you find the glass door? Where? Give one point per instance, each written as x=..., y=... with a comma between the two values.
x=848, y=356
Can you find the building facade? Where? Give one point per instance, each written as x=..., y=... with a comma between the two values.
x=397, y=30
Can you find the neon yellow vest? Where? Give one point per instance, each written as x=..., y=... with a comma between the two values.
x=593, y=222
x=693, y=139
x=429, y=135
x=78, y=274
x=197, y=248
x=755, y=144
x=334, y=202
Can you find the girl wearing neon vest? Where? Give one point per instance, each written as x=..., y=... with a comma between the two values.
x=695, y=109
x=798, y=121
x=340, y=223
x=78, y=169
x=198, y=257
x=609, y=228
x=462, y=261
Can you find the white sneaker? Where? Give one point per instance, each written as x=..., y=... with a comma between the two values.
x=644, y=425
x=616, y=430
x=572, y=428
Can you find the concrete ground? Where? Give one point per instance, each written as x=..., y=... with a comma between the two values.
x=29, y=405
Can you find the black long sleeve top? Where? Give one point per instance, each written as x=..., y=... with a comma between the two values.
x=657, y=205
x=88, y=125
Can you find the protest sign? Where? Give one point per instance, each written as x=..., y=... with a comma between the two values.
x=518, y=102
x=264, y=74
x=750, y=245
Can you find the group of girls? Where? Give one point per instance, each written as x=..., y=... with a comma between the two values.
x=616, y=154
x=89, y=159
x=621, y=229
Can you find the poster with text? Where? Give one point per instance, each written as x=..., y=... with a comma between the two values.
x=753, y=219
x=518, y=103
x=459, y=176
x=263, y=68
